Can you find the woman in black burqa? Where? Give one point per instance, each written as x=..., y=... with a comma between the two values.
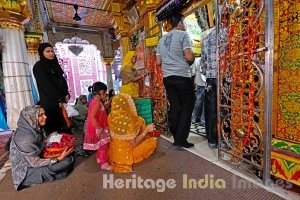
x=52, y=86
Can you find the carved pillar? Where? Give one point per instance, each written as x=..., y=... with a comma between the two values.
x=121, y=26
x=13, y=14
x=32, y=41
x=109, y=79
x=124, y=45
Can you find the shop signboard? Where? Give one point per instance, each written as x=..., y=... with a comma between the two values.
x=152, y=41
x=194, y=30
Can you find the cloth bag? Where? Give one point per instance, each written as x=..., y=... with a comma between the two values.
x=56, y=144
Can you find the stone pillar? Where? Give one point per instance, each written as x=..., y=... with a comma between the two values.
x=124, y=46
x=110, y=82
x=32, y=41
x=15, y=59
x=121, y=26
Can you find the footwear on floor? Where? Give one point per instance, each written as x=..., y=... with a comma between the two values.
x=212, y=146
x=106, y=166
x=186, y=144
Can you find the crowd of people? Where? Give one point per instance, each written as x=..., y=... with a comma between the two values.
x=110, y=123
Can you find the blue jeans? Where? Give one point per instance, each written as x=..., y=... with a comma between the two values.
x=198, y=112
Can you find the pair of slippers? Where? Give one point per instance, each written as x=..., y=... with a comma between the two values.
x=80, y=152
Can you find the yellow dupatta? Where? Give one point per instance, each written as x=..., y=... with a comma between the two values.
x=123, y=121
x=127, y=74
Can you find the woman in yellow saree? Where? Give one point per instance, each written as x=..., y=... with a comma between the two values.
x=128, y=73
x=130, y=142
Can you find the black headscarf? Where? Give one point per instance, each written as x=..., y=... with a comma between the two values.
x=53, y=65
x=41, y=49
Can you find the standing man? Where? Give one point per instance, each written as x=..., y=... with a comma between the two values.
x=210, y=70
x=200, y=82
x=174, y=53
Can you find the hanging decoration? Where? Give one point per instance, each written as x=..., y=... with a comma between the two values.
x=169, y=7
x=76, y=48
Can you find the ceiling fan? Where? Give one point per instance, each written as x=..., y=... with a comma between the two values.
x=76, y=16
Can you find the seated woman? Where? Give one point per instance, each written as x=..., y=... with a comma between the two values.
x=78, y=120
x=129, y=135
x=26, y=148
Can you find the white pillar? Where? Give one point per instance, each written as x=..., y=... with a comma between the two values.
x=110, y=83
x=109, y=79
x=16, y=74
x=32, y=59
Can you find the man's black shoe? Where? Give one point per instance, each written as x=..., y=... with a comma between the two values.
x=187, y=145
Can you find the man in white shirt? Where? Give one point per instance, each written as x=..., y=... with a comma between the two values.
x=175, y=55
x=200, y=81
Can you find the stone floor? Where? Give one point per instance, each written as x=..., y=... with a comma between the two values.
x=3, y=153
x=201, y=149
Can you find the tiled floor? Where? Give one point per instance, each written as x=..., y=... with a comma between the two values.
x=202, y=150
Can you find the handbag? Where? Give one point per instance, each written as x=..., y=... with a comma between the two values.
x=66, y=119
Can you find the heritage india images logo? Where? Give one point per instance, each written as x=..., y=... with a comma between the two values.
x=137, y=182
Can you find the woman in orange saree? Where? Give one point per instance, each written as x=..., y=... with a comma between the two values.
x=130, y=142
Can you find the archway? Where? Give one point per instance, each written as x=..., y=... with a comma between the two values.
x=82, y=64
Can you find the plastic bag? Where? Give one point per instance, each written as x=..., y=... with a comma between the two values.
x=71, y=111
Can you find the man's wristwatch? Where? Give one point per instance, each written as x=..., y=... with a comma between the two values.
x=53, y=161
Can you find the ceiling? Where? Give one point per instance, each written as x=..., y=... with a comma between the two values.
x=95, y=14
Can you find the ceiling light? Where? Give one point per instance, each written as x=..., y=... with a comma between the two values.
x=77, y=17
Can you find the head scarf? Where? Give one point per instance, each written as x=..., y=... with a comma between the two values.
x=128, y=72
x=123, y=121
x=29, y=117
x=128, y=57
x=53, y=66
x=41, y=49
x=81, y=97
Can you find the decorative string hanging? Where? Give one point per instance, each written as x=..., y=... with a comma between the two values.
x=169, y=7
